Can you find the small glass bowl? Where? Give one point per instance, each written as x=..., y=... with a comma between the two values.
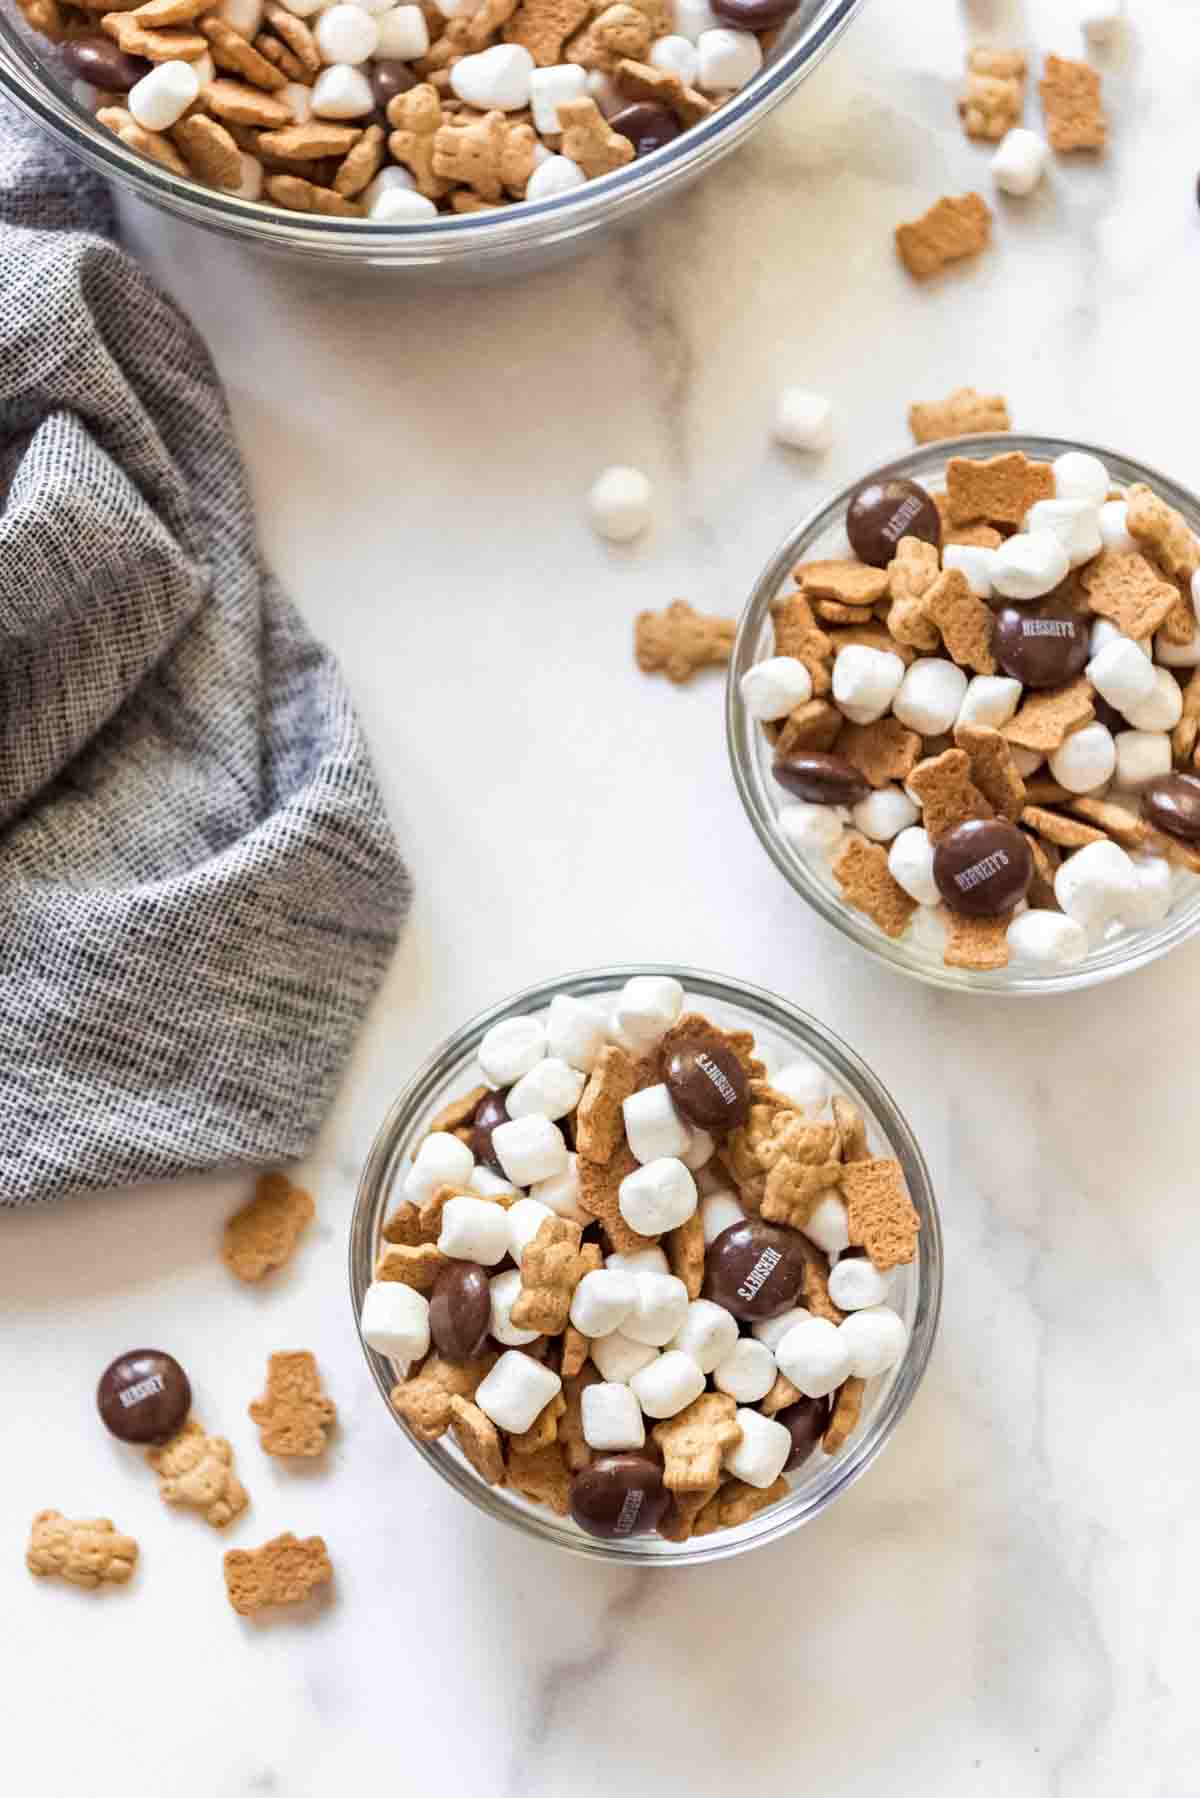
x=782, y=1032
x=822, y=534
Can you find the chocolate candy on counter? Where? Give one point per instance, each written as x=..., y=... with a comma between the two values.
x=1042, y=652
x=806, y=1422
x=97, y=60
x=460, y=1311
x=618, y=1496
x=490, y=1114
x=143, y=1396
x=983, y=868
x=821, y=778
x=753, y=15
x=647, y=125
x=389, y=77
x=881, y=512
x=755, y=1270
x=708, y=1085
x=1172, y=803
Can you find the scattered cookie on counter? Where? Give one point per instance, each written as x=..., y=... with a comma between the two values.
x=293, y=1415
x=285, y=1570
x=953, y=228
x=993, y=95
x=960, y=414
x=263, y=1235
x=88, y=1552
x=1075, y=117
x=681, y=641
x=196, y=1469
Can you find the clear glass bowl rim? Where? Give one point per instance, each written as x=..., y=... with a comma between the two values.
x=413, y=1105
x=1137, y=950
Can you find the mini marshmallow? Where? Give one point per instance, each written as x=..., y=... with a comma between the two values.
x=346, y=34
x=160, y=99
x=560, y=1193
x=505, y=1289
x=403, y=33
x=990, y=699
x=1074, y=522
x=678, y=56
x=400, y=206
x=1152, y=901
x=726, y=59
x=666, y=1385
x=884, y=813
x=530, y=1149
x=619, y=504
x=487, y=1185
x=618, y=1358
x=855, y=1283
x=650, y=1260
x=814, y=1357
x=1121, y=674
x=974, y=561
x=656, y=1197
x=647, y=1007
x=708, y=1333
x=441, y=1161
x=561, y=81
x=772, y=1330
x=575, y=1032
x=612, y=1417
x=1104, y=632
x=499, y=78
x=607, y=95
x=557, y=175
x=930, y=696
x=874, y=1339
x=805, y=1083
x=474, y=1230
x=1085, y=760
x=773, y=688
x=1030, y=565
x=748, y=1371
x=693, y=17
x=659, y=1307
x=1162, y=707
x=549, y=1090
x=1142, y=755
x=866, y=681
x=395, y=1322
x=516, y=1390
x=761, y=1455
x=828, y=1225
x=803, y=420
x=1179, y=655
x=1114, y=527
x=812, y=829
x=700, y=1150
x=298, y=99
x=1080, y=476
x=524, y=1220
x=1019, y=162
x=1095, y=884
x=718, y=1210
x=1046, y=939
x=602, y=1301
x=511, y=1049
x=653, y=1127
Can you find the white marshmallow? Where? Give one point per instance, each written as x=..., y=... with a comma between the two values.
x=244, y=15
x=560, y=1193
x=651, y=1260
x=499, y=78
x=659, y=1307
x=1029, y=565
x=251, y=185
x=803, y=420
x=511, y=1048
x=561, y=81
x=605, y=92
x=856, y=1283
x=524, y=1220
x=1152, y=901
x=1080, y=476
x=761, y=1455
x=487, y=1185
x=678, y=56
x=658, y=1196
x=160, y=99
x=399, y=205
x=805, y=1083
x=441, y=1160
x=700, y=1150
x=990, y=699
x=727, y=60
x=1121, y=674
x=931, y=695
x=549, y=1090
x=530, y=1149
x=866, y=681
x=559, y=175
x=346, y=34
x=1104, y=632
x=395, y=1322
x=303, y=9
x=884, y=813
x=666, y=1385
x=647, y=1007
x=708, y=1333
x=693, y=17
x=403, y=33
x=575, y=1031
x=772, y=1330
x=618, y=1358
x=718, y=1210
x=1114, y=527
x=748, y=1371
x=505, y=1290
x=653, y=1127
x=1046, y=939
x=1074, y=522
x=1162, y=707
x=874, y=1339
x=1179, y=655
x=474, y=1230
x=1142, y=755
x=773, y=688
x=612, y=1417
x=812, y=829
x=1104, y=25
x=828, y=1225
x=619, y=504
x=1018, y=164
x=814, y=1357
x=1085, y=760
x=1095, y=884
x=298, y=99
x=516, y=1391
x=602, y=1301
x=973, y=560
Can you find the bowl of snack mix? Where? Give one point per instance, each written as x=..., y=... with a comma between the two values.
x=475, y=139
x=964, y=709
x=647, y=1264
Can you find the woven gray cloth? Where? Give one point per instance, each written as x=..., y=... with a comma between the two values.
x=199, y=887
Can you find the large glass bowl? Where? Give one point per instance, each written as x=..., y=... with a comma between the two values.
x=467, y=247
x=782, y=1032
x=822, y=534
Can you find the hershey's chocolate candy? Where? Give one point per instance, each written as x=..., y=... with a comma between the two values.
x=97, y=60
x=983, y=868
x=708, y=1085
x=619, y=1495
x=460, y=1311
x=1041, y=652
x=647, y=125
x=881, y=512
x=389, y=77
x=806, y=1422
x=753, y=15
x=143, y=1396
x=1171, y=802
x=491, y=1112
x=821, y=778
x=754, y=1269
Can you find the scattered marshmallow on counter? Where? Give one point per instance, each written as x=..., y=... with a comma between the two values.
x=1019, y=162
x=619, y=504
x=803, y=420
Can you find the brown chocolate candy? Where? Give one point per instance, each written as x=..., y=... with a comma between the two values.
x=143, y=1396
x=491, y=1112
x=389, y=77
x=821, y=777
x=1041, y=652
x=647, y=125
x=708, y=1085
x=881, y=512
x=618, y=1496
x=754, y=1270
x=806, y=1422
x=460, y=1311
x=97, y=60
x=754, y=15
x=1171, y=802
x=983, y=868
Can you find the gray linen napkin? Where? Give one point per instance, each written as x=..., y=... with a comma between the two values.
x=199, y=888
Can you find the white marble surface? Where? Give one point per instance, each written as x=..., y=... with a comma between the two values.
x=1006, y=1603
